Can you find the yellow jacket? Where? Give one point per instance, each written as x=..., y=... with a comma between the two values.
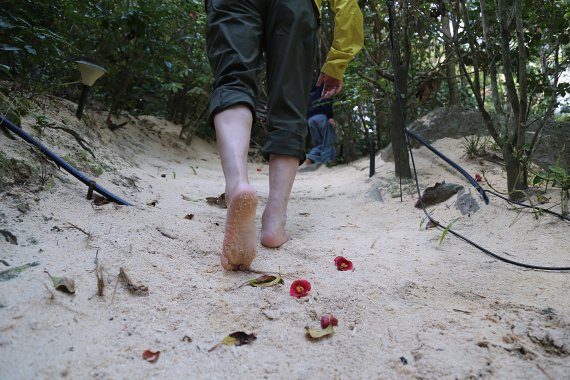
x=348, y=35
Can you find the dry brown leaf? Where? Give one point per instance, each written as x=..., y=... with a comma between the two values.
x=218, y=201
x=237, y=338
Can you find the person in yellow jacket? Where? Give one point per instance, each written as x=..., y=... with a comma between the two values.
x=243, y=37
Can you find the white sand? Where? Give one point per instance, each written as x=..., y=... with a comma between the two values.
x=448, y=310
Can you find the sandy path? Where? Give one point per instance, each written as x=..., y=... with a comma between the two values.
x=410, y=309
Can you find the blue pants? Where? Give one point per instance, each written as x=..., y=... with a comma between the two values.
x=323, y=136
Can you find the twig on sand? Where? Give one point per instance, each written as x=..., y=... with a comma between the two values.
x=100, y=281
x=79, y=139
x=71, y=225
x=544, y=372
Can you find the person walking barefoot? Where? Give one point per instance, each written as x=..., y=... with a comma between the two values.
x=243, y=38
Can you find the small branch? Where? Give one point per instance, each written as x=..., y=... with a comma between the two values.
x=71, y=225
x=79, y=139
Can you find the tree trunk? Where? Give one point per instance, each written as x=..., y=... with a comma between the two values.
x=513, y=149
x=514, y=171
x=398, y=138
x=450, y=59
x=491, y=59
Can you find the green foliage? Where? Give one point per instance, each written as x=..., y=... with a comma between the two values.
x=475, y=146
x=556, y=176
x=155, y=56
x=40, y=125
x=154, y=52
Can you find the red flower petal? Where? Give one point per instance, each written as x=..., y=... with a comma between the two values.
x=342, y=263
x=150, y=356
x=300, y=288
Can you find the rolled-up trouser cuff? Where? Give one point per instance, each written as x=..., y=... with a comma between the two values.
x=225, y=97
x=286, y=142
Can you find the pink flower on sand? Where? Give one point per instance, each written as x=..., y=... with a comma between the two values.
x=327, y=320
x=300, y=288
x=342, y=263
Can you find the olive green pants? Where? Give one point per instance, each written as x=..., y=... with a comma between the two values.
x=245, y=36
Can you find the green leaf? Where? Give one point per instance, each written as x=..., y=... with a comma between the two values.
x=540, y=177
x=5, y=47
x=6, y=25
x=446, y=230
x=30, y=50
x=319, y=332
x=557, y=170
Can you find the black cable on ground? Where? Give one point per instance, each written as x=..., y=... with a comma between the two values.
x=481, y=191
x=61, y=163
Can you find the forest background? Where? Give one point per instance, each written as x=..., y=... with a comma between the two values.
x=505, y=58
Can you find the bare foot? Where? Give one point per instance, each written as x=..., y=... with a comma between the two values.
x=239, y=240
x=273, y=233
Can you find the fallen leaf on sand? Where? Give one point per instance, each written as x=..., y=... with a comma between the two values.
x=237, y=338
x=319, y=333
x=265, y=281
x=100, y=201
x=438, y=193
x=64, y=284
x=218, y=201
x=150, y=356
x=15, y=272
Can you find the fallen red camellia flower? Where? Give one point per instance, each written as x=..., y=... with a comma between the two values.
x=478, y=178
x=327, y=320
x=342, y=263
x=300, y=288
x=150, y=356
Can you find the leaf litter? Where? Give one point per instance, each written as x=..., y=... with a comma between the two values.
x=318, y=333
x=265, y=281
x=63, y=284
x=238, y=338
x=15, y=272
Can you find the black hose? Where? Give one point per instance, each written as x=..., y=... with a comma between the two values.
x=60, y=162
